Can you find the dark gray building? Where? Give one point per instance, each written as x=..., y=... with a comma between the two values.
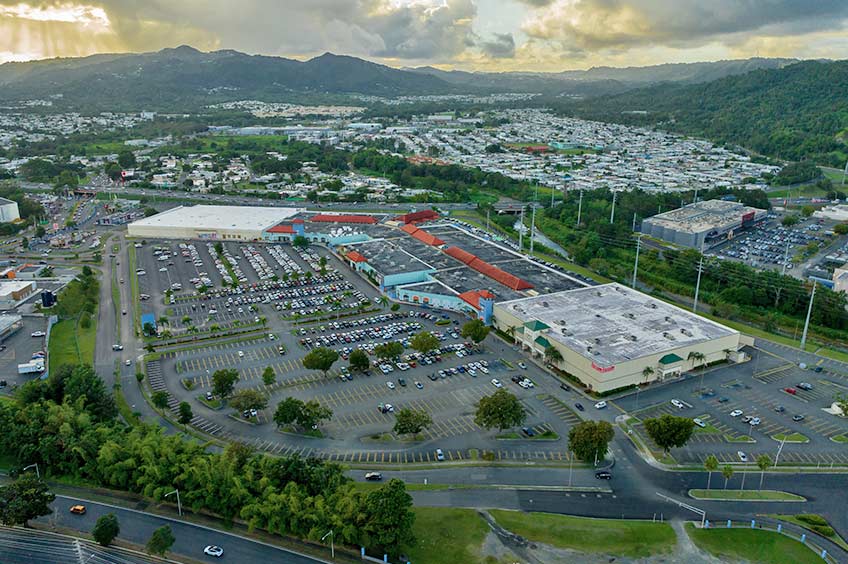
x=702, y=224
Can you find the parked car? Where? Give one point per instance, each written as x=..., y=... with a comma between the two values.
x=528, y=431
x=390, y=385
x=736, y=413
x=677, y=403
x=497, y=383
x=440, y=456
x=780, y=409
x=797, y=418
x=38, y=334
x=742, y=456
x=78, y=509
x=699, y=423
x=522, y=366
x=579, y=406
x=600, y=405
x=804, y=386
x=791, y=391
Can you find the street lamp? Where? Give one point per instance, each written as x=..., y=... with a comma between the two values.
x=179, y=505
x=332, y=544
x=37, y=473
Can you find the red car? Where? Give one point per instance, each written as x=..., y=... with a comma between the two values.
x=792, y=391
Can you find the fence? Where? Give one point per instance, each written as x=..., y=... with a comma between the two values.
x=825, y=548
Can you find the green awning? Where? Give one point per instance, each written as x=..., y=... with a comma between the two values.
x=536, y=325
x=542, y=342
x=670, y=359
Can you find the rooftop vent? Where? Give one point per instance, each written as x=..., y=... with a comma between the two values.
x=633, y=338
x=546, y=304
x=668, y=318
x=597, y=340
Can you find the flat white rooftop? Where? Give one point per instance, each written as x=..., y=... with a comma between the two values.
x=617, y=322
x=9, y=286
x=214, y=218
x=704, y=216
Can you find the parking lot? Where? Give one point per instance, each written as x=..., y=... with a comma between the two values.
x=302, y=302
x=771, y=245
x=19, y=348
x=751, y=408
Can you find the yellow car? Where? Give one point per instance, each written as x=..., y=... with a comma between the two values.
x=78, y=509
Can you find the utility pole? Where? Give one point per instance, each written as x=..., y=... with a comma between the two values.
x=807, y=322
x=332, y=544
x=698, y=283
x=636, y=263
x=782, y=273
x=696, y=195
x=521, y=231
x=845, y=172
x=179, y=504
x=579, y=207
x=634, y=222
x=612, y=212
x=487, y=219
x=533, y=229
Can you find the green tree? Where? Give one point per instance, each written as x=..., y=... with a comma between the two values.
x=411, y=421
x=113, y=171
x=726, y=473
x=764, y=462
x=160, y=541
x=384, y=301
x=698, y=357
x=840, y=228
x=388, y=350
x=589, y=440
x=475, y=330
x=159, y=399
x=269, y=376
x=126, y=159
x=500, y=410
x=312, y=413
x=424, y=342
x=669, y=431
x=807, y=211
x=224, y=381
x=185, y=414
x=552, y=355
x=710, y=465
x=149, y=212
x=320, y=358
x=106, y=529
x=389, y=518
x=359, y=360
x=26, y=498
x=288, y=411
x=247, y=399
x=789, y=220
x=300, y=241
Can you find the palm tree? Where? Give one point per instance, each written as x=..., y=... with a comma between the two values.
x=710, y=465
x=727, y=473
x=384, y=301
x=552, y=355
x=647, y=372
x=763, y=463
x=511, y=332
x=698, y=357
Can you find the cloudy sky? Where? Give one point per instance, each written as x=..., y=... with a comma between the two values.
x=548, y=35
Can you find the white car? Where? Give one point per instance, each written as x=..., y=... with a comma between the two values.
x=699, y=423
x=677, y=403
x=600, y=405
x=497, y=383
x=529, y=383
x=241, y=354
x=736, y=413
x=755, y=421
x=128, y=362
x=215, y=551
x=391, y=385
x=38, y=334
x=524, y=384
x=742, y=456
x=522, y=366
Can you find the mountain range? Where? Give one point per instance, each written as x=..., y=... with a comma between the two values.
x=184, y=78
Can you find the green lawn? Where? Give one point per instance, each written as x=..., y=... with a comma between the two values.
x=791, y=438
x=752, y=545
x=447, y=536
x=745, y=495
x=65, y=337
x=794, y=519
x=594, y=536
x=843, y=438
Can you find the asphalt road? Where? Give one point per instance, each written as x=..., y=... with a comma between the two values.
x=137, y=526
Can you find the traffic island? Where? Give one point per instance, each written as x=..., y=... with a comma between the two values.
x=744, y=495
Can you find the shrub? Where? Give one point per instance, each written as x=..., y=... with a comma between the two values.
x=812, y=519
x=823, y=530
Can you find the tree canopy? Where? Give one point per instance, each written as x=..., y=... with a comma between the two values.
x=589, y=440
x=500, y=410
x=669, y=431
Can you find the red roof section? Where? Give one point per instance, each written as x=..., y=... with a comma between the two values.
x=327, y=218
x=297, y=220
x=423, y=215
x=356, y=257
x=473, y=297
x=425, y=237
x=460, y=255
x=409, y=228
x=281, y=229
x=486, y=269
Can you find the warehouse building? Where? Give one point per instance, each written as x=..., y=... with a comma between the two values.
x=224, y=223
x=702, y=224
x=612, y=336
x=8, y=211
x=13, y=292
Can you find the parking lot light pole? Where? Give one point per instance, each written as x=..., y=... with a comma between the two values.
x=179, y=505
x=807, y=321
x=779, y=449
x=332, y=544
x=37, y=473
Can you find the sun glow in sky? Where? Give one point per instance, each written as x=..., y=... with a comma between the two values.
x=550, y=35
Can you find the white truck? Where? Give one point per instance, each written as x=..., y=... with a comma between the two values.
x=32, y=367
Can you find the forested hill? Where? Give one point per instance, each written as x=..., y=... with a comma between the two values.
x=796, y=112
